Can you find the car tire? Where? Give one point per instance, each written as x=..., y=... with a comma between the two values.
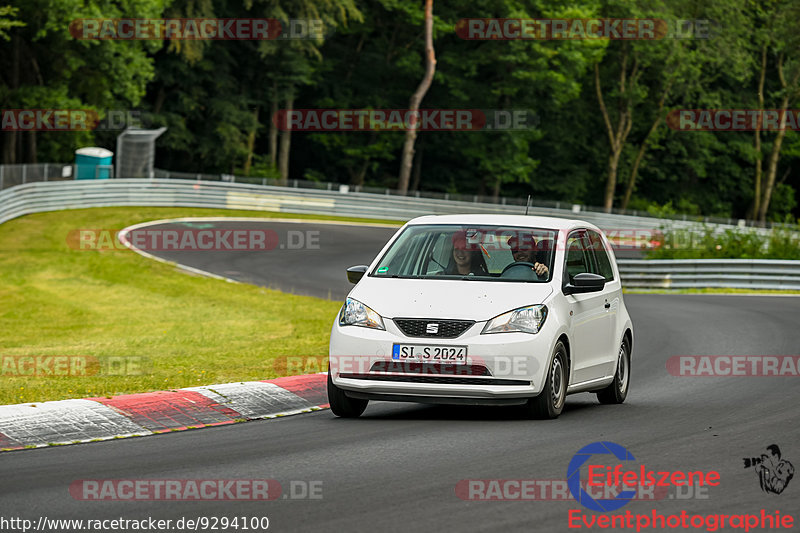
x=617, y=390
x=550, y=402
x=341, y=404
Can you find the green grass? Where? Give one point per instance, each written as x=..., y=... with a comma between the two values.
x=189, y=330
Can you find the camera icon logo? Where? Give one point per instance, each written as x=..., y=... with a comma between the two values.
x=774, y=473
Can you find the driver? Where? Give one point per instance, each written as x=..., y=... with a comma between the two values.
x=523, y=248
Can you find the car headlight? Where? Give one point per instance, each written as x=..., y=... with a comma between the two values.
x=528, y=319
x=354, y=313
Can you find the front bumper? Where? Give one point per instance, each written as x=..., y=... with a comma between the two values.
x=500, y=368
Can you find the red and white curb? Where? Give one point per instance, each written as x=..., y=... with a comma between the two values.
x=34, y=425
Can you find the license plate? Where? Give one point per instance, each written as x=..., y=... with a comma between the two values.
x=429, y=353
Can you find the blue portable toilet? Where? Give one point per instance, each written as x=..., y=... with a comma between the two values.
x=87, y=161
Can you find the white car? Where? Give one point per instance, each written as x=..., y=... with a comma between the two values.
x=483, y=310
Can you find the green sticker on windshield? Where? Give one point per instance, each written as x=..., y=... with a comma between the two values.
x=381, y=270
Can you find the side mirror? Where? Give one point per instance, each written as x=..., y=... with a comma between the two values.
x=354, y=274
x=585, y=282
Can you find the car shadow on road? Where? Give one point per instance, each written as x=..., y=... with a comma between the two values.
x=412, y=411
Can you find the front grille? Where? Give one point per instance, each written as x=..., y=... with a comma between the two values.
x=418, y=327
x=430, y=368
x=447, y=380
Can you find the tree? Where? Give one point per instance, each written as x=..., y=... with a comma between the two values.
x=416, y=98
x=215, y=97
x=7, y=21
x=296, y=60
x=782, y=42
x=46, y=68
x=678, y=68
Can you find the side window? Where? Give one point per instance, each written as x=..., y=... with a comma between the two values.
x=440, y=254
x=405, y=257
x=577, y=258
x=602, y=261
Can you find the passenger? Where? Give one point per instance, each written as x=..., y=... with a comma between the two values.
x=465, y=261
x=523, y=248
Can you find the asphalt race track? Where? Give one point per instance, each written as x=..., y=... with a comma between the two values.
x=397, y=467
x=309, y=259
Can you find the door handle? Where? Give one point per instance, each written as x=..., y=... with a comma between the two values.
x=607, y=306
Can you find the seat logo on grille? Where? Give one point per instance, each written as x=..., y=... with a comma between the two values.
x=432, y=328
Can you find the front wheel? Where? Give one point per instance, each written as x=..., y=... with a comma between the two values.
x=617, y=390
x=341, y=404
x=550, y=402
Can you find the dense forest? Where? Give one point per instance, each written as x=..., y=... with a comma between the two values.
x=601, y=133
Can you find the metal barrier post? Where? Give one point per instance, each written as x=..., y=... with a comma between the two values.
x=24, y=173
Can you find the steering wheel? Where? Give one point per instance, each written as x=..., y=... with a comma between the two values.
x=518, y=264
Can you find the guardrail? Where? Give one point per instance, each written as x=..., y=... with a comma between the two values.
x=12, y=175
x=756, y=274
x=52, y=195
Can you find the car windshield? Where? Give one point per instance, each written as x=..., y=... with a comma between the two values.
x=480, y=253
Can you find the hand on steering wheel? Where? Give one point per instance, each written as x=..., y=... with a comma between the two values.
x=538, y=268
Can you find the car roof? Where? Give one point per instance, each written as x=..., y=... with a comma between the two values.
x=505, y=220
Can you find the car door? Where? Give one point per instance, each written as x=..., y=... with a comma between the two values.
x=590, y=337
x=612, y=299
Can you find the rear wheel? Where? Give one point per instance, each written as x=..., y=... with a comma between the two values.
x=341, y=404
x=550, y=402
x=617, y=390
